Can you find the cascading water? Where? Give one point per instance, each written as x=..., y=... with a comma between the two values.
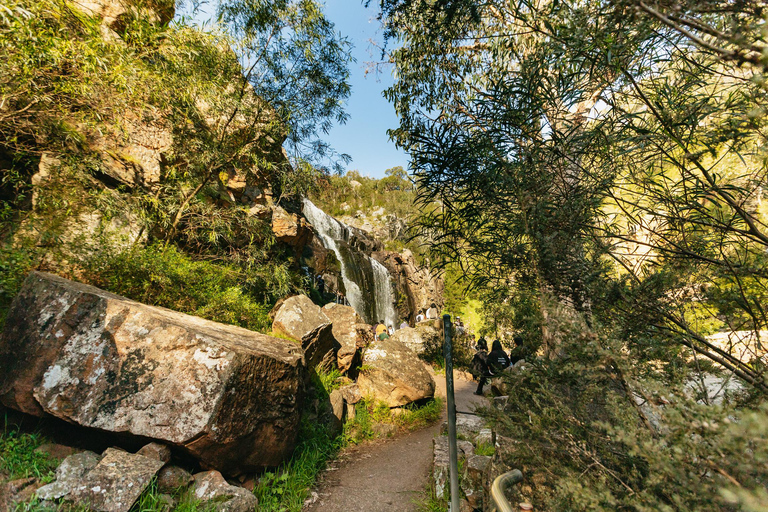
x=367, y=281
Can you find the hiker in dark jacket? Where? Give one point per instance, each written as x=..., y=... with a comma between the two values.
x=480, y=365
x=497, y=359
x=518, y=353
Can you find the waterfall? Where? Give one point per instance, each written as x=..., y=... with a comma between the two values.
x=367, y=282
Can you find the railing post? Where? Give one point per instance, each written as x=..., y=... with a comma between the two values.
x=451, y=405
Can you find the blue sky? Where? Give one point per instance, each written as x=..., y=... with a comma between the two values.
x=364, y=136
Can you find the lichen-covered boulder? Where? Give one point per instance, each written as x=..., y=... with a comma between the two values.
x=394, y=374
x=297, y=316
x=411, y=338
x=225, y=395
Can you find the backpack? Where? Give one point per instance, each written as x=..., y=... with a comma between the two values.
x=480, y=364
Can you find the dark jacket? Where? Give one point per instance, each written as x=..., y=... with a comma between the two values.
x=497, y=359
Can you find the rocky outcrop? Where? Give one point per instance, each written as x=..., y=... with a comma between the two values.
x=114, y=12
x=290, y=228
x=394, y=374
x=227, y=396
x=417, y=288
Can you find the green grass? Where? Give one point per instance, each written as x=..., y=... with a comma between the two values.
x=368, y=412
x=286, y=488
x=485, y=449
x=18, y=458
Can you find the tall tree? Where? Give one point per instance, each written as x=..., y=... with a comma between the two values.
x=546, y=127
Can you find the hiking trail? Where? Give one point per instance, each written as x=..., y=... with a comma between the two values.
x=390, y=475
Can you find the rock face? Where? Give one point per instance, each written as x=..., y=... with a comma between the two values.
x=414, y=283
x=290, y=228
x=394, y=374
x=227, y=396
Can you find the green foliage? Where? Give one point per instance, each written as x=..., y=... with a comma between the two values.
x=298, y=63
x=18, y=458
x=164, y=276
x=485, y=449
x=410, y=417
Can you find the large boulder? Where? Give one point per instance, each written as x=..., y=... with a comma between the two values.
x=301, y=319
x=394, y=374
x=297, y=316
x=345, y=322
x=227, y=396
x=320, y=348
x=411, y=338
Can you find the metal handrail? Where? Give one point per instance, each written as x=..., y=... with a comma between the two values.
x=501, y=483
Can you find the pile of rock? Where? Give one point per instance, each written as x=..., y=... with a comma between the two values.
x=476, y=479
x=114, y=480
x=391, y=371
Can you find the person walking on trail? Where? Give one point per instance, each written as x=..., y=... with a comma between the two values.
x=498, y=360
x=517, y=354
x=420, y=317
x=432, y=312
x=480, y=365
x=381, y=330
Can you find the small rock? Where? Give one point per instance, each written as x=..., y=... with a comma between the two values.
x=467, y=425
x=351, y=394
x=383, y=429
x=116, y=481
x=351, y=413
x=68, y=474
x=485, y=436
x=155, y=451
x=500, y=402
x=171, y=478
x=336, y=414
x=210, y=486
x=167, y=502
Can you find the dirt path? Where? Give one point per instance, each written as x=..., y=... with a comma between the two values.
x=387, y=476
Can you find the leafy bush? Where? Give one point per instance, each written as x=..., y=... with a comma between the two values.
x=163, y=276
x=587, y=446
